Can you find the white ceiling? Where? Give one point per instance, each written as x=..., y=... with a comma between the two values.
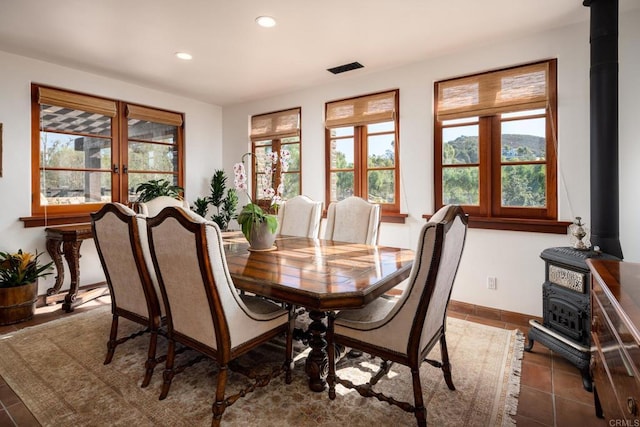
x=237, y=61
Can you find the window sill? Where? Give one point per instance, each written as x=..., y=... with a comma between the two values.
x=393, y=217
x=517, y=224
x=43, y=221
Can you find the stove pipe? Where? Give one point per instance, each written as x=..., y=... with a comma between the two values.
x=605, y=203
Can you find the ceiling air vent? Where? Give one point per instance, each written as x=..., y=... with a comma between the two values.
x=344, y=68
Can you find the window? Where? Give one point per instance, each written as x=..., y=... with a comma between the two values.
x=279, y=133
x=88, y=150
x=495, y=148
x=362, y=149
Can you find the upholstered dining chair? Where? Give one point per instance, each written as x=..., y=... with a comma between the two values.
x=121, y=240
x=353, y=220
x=405, y=330
x=300, y=216
x=154, y=206
x=205, y=312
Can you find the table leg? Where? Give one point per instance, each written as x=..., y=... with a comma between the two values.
x=317, y=364
x=55, y=252
x=71, y=252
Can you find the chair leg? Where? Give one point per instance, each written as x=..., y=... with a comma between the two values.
x=446, y=366
x=111, y=344
x=219, y=405
x=331, y=356
x=151, y=362
x=168, y=373
x=420, y=410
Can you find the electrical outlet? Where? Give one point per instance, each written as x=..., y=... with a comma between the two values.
x=492, y=283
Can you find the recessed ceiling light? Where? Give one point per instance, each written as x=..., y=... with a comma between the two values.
x=184, y=55
x=266, y=21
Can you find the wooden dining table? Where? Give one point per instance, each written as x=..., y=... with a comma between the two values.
x=319, y=275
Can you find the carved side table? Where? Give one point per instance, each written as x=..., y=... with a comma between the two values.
x=66, y=240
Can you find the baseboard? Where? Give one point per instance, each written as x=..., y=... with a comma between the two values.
x=492, y=313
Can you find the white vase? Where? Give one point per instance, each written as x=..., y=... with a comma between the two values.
x=261, y=238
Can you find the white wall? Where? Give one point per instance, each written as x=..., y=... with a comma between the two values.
x=512, y=257
x=203, y=146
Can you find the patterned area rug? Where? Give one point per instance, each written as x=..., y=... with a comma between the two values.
x=57, y=370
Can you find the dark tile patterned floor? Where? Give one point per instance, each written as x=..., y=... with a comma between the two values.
x=551, y=392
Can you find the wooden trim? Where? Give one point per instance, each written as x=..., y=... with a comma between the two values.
x=489, y=313
x=49, y=220
x=516, y=224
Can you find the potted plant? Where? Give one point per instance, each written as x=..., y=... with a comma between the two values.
x=155, y=188
x=259, y=227
x=225, y=204
x=19, y=273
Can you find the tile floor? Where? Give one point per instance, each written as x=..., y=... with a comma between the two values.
x=551, y=392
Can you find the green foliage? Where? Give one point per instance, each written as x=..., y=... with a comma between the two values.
x=201, y=206
x=225, y=201
x=21, y=268
x=155, y=188
x=253, y=214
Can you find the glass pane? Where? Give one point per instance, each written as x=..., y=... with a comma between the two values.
x=135, y=179
x=459, y=121
x=337, y=132
x=523, y=113
x=294, y=158
x=152, y=157
x=341, y=185
x=381, y=186
x=380, y=151
x=150, y=131
x=524, y=186
x=461, y=186
x=74, y=152
x=460, y=145
x=259, y=143
x=74, y=187
x=291, y=185
x=524, y=140
x=342, y=153
x=75, y=121
x=381, y=127
x=262, y=160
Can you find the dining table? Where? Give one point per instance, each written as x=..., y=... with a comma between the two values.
x=321, y=276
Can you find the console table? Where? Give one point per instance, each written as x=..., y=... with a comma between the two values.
x=66, y=240
x=615, y=335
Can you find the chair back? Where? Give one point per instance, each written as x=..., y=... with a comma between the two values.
x=434, y=271
x=300, y=216
x=120, y=237
x=353, y=220
x=154, y=206
x=201, y=300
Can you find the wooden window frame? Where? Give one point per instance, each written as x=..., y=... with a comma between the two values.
x=389, y=212
x=490, y=213
x=264, y=127
x=42, y=215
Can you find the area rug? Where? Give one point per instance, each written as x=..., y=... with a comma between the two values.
x=57, y=370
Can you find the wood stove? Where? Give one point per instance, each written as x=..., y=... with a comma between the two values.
x=565, y=327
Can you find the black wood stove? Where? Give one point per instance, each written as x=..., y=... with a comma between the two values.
x=566, y=312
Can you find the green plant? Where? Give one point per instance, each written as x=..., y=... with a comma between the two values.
x=155, y=188
x=21, y=268
x=225, y=204
x=252, y=214
x=201, y=206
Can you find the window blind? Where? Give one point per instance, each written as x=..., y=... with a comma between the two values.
x=153, y=115
x=515, y=89
x=76, y=101
x=375, y=108
x=277, y=125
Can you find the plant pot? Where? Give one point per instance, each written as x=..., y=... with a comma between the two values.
x=261, y=238
x=18, y=303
